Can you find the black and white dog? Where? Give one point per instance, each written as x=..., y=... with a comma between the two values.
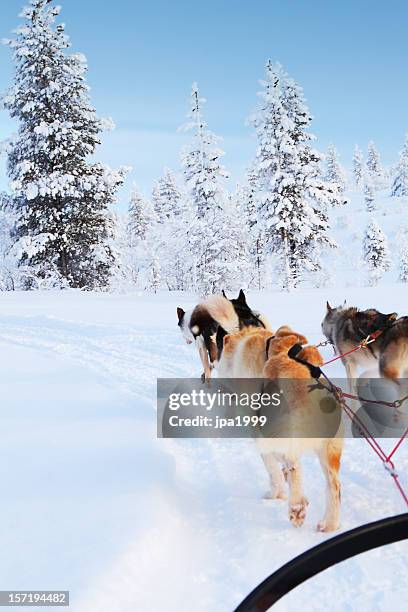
x=211, y=320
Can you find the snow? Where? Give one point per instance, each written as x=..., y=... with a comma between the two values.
x=31, y=191
x=93, y=502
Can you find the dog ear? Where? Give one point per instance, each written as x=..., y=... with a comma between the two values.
x=344, y=303
x=226, y=340
x=284, y=330
x=282, y=344
x=301, y=339
x=329, y=308
x=180, y=313
x=241, y=298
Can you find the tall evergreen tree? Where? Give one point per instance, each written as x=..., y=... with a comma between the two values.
x=400, y=180
x=403, y=255
x=335, y=173
x=204, y=175
x=358, y=167
x=141, y=235
x=375, y=252
x=201, y=164
x=292, y=199
x=171, y=231
x=246, y=199
x=141, y=216
x=64, y=229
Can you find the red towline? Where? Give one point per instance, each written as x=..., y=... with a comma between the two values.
x=370, y=439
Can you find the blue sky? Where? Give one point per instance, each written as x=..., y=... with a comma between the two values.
x=349, y=56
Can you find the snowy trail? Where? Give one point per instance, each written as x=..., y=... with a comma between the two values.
x=201, y=529
x=115, y=351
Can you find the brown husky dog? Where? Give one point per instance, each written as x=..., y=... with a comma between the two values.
x=254, y=353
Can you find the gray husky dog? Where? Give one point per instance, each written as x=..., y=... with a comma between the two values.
x=346, y=327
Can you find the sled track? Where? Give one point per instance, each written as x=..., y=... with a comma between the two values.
x=219, y=487
x=128, y=358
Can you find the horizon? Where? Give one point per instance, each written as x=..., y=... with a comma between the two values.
x=363, y=97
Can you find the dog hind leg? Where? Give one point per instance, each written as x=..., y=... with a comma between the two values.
x=329, y=457
x=206, y=375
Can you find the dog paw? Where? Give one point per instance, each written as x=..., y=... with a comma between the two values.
x=278, y=494
x=326, y=526
x=297, y=512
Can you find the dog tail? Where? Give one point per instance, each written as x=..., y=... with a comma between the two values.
x=222, y=311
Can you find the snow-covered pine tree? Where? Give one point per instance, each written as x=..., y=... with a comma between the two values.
x=141, y=236
x=246, y=202
x=374, y=166
x=202, y=169
x=403, y=255
x=204, y=175
x=335, y=172
x=140, y=216
x=403, y=264
x=166, y=197
x=171, y=231
x=369, y=194
x=292, y=199
x=235, y=252
x=64, y=229
x=400, y=179
x=358, y=167
x=376, y=254
x=154, y=277
x=8, y=271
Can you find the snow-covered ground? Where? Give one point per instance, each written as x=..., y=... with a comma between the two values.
x=93, y=502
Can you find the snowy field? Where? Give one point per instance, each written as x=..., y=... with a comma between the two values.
x=93, y=502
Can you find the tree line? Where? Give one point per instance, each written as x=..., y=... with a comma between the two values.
x=57, y=226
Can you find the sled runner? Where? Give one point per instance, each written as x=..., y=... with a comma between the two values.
x=321, y=557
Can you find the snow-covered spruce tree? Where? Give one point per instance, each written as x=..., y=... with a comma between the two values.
x=166, y=197
x=403, y=264
x=235, y=246
x=402, y=242
x=369, y=194
x=400, y=179
x=208, y=251
x=141, y=237
x=171, y=231
x=358, y=167
x=8, y=267
x=374, y=166
x=335, y=173
x=64, y=229
x=375, y=253
x=246, y=201
x=140, y=216
x=293, y=199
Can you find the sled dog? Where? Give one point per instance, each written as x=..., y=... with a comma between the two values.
x=346, y=327
x=211, y=320
x=257, y=353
